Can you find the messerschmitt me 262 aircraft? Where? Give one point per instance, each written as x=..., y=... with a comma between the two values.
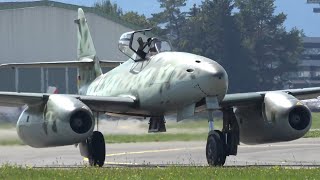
x=152, y=83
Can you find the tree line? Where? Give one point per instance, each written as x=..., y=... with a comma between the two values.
x=246, y=37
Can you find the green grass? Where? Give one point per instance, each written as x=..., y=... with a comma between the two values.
x=315, y=120
x=9, y=172
x=11, y=142
x=312, y=134
x=7, y=125
x=159, y=137
x=192, y=124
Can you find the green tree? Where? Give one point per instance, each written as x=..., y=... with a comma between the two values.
x=211, y=31
x=109, y=8
x=136, y=19
x=271, y=50
x=171, y=17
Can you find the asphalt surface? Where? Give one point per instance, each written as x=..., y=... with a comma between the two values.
x=302, y=152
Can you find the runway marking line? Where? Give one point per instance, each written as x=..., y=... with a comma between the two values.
x=193, y=148
x=115, y=163
x=142, y=152
x=277, y=145
x=153, y=151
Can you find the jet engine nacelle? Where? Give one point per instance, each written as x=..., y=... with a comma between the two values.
x=62, y=120
x=281, y=117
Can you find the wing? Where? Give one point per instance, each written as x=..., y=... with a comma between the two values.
x=95, y=103
x=58, y=64
x=256, y=97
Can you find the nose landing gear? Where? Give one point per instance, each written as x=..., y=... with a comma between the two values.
x=215, y=150
x=221, y=144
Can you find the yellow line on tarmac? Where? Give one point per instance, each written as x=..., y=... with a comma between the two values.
x=142, y=152
x=114, y=163
x=152, y=151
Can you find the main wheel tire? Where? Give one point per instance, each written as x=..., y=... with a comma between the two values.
x=214, y=150
x=97, y=149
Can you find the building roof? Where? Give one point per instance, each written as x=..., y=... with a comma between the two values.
x=308, y=63
x=311, y=39
x=18, y=5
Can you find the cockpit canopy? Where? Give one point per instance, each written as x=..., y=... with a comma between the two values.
x=138, y=46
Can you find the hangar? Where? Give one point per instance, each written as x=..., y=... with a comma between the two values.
x=42, y=31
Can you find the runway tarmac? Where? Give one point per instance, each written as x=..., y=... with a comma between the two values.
x=302, y=152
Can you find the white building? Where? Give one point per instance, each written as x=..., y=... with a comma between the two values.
x=308, y=74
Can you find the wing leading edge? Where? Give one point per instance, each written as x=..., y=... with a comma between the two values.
x=95, y=103
x=256, y=97
x=61, y=64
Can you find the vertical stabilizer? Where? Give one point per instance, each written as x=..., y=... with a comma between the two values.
x=86, y=52
x=85, y=44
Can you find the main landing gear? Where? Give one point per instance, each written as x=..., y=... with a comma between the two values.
x=157, y=124
x=221, y=144
x=94, y=148
x=97, y=149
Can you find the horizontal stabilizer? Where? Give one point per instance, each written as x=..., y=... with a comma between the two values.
x=60, y=64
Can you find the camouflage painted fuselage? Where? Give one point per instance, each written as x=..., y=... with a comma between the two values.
x=164, y=82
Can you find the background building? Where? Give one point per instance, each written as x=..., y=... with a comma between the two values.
x=44, y=31
x=308, y=74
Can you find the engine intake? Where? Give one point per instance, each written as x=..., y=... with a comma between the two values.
x=299, y=118
x=81, y=121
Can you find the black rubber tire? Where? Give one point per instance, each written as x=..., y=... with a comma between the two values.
x=214, y=150
x=223, y=156
x=97, y=149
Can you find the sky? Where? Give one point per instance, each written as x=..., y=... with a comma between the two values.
x=299, y=13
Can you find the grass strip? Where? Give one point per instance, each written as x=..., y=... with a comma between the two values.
x=312, y=134
x=160, y=137
x=9, y=172
x=11, y=142
x=5, y=125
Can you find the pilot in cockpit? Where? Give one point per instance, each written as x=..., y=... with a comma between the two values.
x=155, y=46
x=141, y=51
x=149, y=48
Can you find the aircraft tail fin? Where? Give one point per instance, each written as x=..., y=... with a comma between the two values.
x=85, y=43
x=85, y=52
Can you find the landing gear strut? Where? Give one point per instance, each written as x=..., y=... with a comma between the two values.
x=157, y=124
x=215, y=149
x=221, y=144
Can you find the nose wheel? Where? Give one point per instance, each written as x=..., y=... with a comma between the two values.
x=221, y=144
x=215, y=149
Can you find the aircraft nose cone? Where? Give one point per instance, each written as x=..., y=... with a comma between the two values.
x=213, y=80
